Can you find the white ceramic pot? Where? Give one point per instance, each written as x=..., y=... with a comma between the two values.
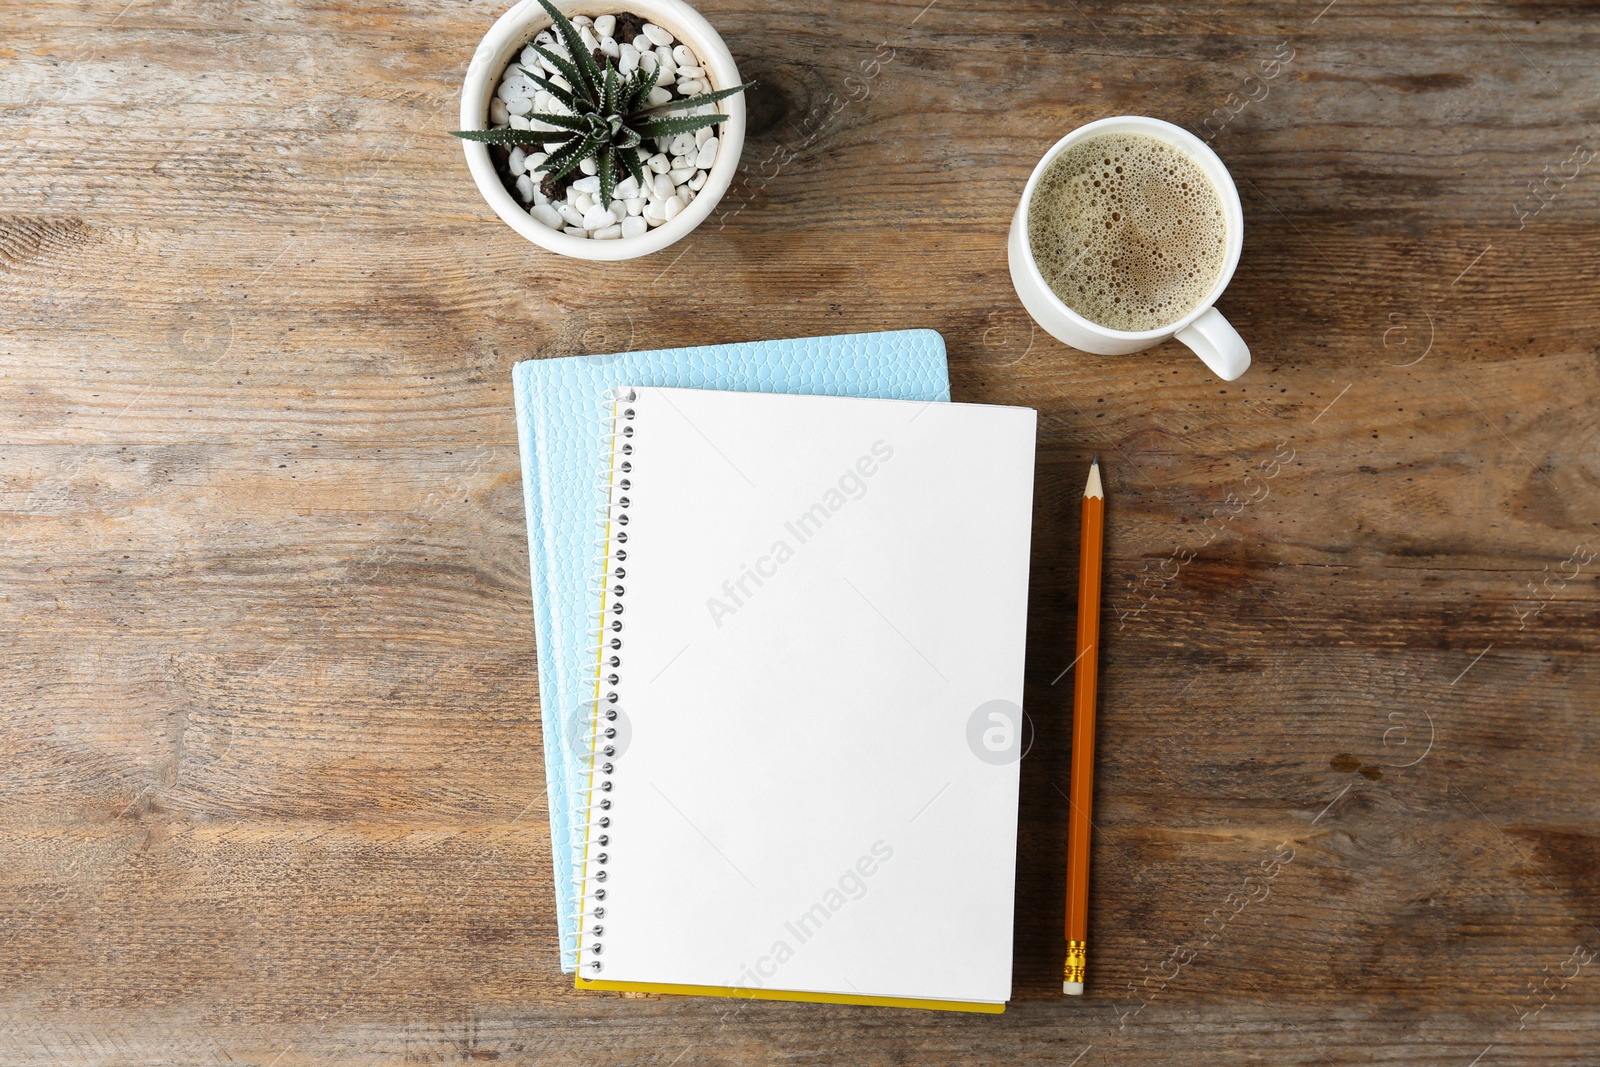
x=512, y=32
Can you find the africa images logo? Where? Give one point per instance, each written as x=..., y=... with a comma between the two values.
x=851, y=885
x=851, y=485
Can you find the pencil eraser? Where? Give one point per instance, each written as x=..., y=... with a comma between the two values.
x=1072, y=989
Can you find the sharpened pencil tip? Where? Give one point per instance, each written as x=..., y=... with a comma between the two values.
x=1094, y=487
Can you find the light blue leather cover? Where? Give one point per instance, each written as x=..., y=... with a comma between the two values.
x=560, y=407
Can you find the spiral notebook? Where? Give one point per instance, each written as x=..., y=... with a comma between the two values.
x=806, y=715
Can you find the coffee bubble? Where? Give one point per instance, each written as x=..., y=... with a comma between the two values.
x=1128, y=231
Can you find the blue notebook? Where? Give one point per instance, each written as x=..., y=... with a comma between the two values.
x=561, y=405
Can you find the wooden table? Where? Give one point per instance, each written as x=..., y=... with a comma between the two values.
x=273, y=791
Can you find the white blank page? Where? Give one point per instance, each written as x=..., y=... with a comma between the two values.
x=820, y=592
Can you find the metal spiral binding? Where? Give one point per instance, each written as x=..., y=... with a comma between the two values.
x=608, y=591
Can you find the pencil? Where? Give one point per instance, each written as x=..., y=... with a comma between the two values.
x=1081, y=788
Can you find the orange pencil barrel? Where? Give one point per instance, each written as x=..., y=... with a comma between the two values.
x=1080, y=793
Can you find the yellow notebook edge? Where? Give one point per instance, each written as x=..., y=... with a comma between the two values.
x=789, y=994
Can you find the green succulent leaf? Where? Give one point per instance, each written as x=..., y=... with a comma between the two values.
x=673, y=127
x=565, y=122
x=640, y=82
x=693, y=101
x=608, y=175
x=581, y=59
x=504, y=137
x=553, y=89
x=608, y=91
x=586, y=149
x=562, y=160
x=630, y=162
x=580, y=88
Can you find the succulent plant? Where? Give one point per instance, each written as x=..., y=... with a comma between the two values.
x=608, y=118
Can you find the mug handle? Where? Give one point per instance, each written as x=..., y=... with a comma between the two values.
x=1217, y=344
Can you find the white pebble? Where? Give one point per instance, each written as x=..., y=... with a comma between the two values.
x=671, y=207
x=656, y=34
x=708, y=154
x=682, y=143
x=633, y=226
x=519, y=161
x=605, y=25
x=499, y=114
x=619, y=210
x=703, y=134
x=607, y=233
x=596, y=217
x=588, y=166
x=659, y=163
x=691, y=72
x=679, y=162
x=635, y=205
x=507, y=91
x=536, y=158
x=530, y=56
x=661, y=187
x=679, y=175
x=691, y=87
x=519, y=123
x=590, y=184
x=688, y=197
x=610, y=48
x=551, y=146
x=653, y=214
x=547, y=215
x=698, y=181
x=584, y=203
x=590, y=41
x=682, y=56
x=570, y=215
x=628, y=62
x=627, y=188
x=525, y=189
x=657, y=97
x=544, y=37
x=583, y=20
x=576, y=231
x=648, y=60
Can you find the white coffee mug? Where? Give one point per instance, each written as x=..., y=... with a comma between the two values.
x=1203, y=328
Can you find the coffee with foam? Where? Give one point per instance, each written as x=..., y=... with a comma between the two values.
x=1128, y=231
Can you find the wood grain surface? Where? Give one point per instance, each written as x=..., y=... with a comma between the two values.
x=272, y=789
